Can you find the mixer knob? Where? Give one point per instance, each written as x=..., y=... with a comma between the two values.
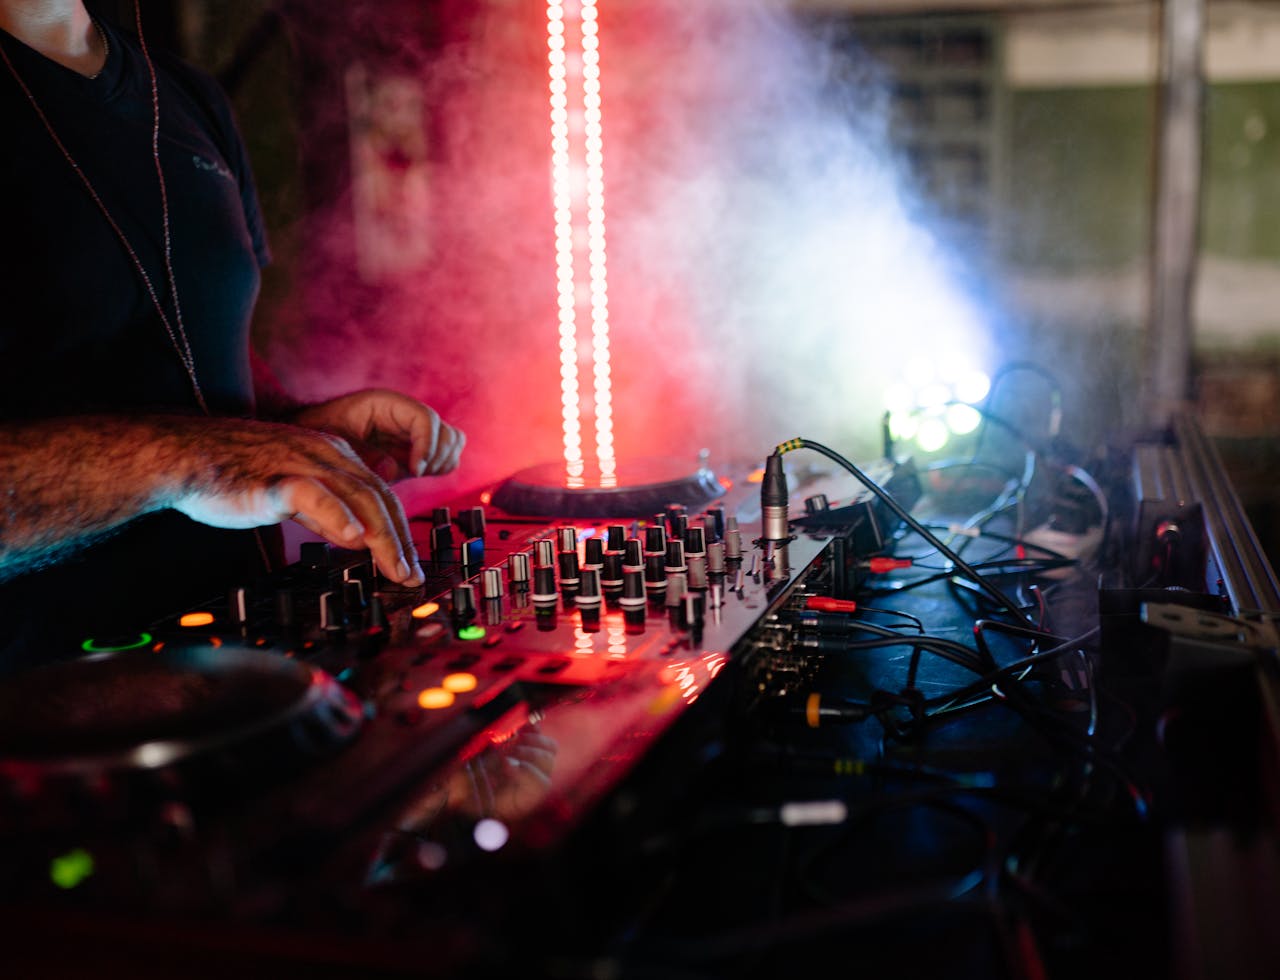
x=566, y=538
x=655, y=539
x=675, y=556
x=732, y=539
x=632, y=589
x=677, y=587
x=376, y=615
x=353, y=595
x=655, y=573
x=672, y=517
x=544, y=552
x=238, y=605
x=589, y=589
x=697, y=571
x=816, y=504
x=695, y=541
x=464, y=601
x=491, y=583
x=331, y=617
x=633, y=553
x=715, y=558
x=593, y=553
x=286, y=617
x=442, y=542
x=518, y=570
x=440, y=515
x=615, y=537
x=611, y=571
x=472, y=522
x=544, y=584
x=692, y=611
x=714, y=523
x=314, y=555
x=567, y=561
x=471, y=555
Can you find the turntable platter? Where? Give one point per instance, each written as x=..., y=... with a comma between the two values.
x=144, y=709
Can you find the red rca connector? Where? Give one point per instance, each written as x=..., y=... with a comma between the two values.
x=878, y=566
x=824, y=603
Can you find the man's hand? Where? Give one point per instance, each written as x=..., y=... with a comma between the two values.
x=69, y=481
x=397, y=436
x=240, y=474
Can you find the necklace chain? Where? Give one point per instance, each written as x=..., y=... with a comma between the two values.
x=106, y=47
x=174, y=327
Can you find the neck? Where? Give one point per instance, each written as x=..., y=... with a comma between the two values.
x=61, y=30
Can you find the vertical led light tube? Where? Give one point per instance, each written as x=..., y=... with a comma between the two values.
x=577, y=188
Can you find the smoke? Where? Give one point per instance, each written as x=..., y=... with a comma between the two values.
x=770, y=275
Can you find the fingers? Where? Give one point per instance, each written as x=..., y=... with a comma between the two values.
x=442, y=455
x=380, y=419
x=240, y=473
x=382, y=526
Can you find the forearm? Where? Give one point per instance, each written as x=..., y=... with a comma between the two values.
x=66, y=482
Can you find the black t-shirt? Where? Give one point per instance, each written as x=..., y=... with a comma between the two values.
x=79, y=332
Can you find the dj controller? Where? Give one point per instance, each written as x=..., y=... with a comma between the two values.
x=327, y=759
x=703, y=737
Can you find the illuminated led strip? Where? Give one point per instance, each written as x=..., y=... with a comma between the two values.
x=593, y=141
x=583, y=70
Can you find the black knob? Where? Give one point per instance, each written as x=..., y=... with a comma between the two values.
x=655, y=539
x=286, y=614
x=375, y=617
x=353, y=595
x=589, y=588
x=567, y=562
x=655, y=573
x=472, y=522
x=593, y=553
x=695, y=540
x=816, y=503
x=442, y=542
x=675, y=556
x=611, y=570
x=632, y=588
x=331, y=615
x=464, y=601
x=440, y=515
x=692, y=610
x=615, y=537
x=633, y=553
x=544, y=584
x=673, y=515
x=314, y=555
x=714, y=524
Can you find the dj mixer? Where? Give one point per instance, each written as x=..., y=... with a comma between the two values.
x=724, y=735
x=297, y=756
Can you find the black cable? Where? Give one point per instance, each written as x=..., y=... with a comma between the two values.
x=901, y=513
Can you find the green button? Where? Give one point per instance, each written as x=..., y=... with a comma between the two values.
x=68, y=870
